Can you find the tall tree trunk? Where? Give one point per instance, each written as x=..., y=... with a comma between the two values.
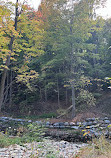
x=72, y=63
x=45, y=92
x=73, y=84
x=73, y=101
x=66, y=97
x=4, y=73
x=40, y=93
x=10, y=92
x=2, y=84
x=6, y=90
x=58, y=92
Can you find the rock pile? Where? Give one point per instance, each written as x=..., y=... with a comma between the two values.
x=81, y=131
x=91, y=127
x=47, y=148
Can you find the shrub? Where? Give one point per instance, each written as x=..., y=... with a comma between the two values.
x=85, y=99
x=99, y=148
x=35, y=133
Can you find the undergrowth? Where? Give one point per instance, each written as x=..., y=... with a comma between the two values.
x=32, y=132
x=99, y=148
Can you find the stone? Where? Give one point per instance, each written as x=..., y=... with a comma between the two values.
x=84, y=123
x=29, y=121
x=97, y=134
x=96, y=126
x=94, y=122
x=21, y=123
x=92, y=131
x=47, y=123
x=68, y=127
x=81, y=127
x=101, y=128
x=109, y=135
x=38, y=123
x=101, y=121
x=89, y=123
x=66, y=124
x=79, y=123
x=106, y=134
x=88, y=119
x=61, y=126
x=107, y=121
x=56, y=124
x=72, y=123
x=93, y=119
x=106, y=118
x=75, y=127
x=61, y=123
x=103, y=125
x=51, y=126
x=4, y=118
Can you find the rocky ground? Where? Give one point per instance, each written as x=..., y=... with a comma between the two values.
x=46, y=149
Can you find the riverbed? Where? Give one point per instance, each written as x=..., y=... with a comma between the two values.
x=46, y=149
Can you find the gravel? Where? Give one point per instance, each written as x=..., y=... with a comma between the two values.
x=46, y=149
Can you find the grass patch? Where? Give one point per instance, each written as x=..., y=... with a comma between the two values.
x=28, y=134
x=100, y=148
x=43, y=116
x=6, y=141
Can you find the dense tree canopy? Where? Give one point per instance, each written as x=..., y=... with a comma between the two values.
x=57, y=53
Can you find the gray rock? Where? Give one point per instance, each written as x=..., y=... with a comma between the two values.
x=4, y=118
x=72, y=123
x=97, y=134
x=106, y=134
x=101, y=128
x=84, y=123
x=107, y=121
x=106, y=118
x=61, y=126
x=66, y=124
x=75, y=127
x=103, y=125
x=96, y=126
x=93, y=119
x=38, y=122
x=109, y=135
x=51, y=126
x=89, y=123
x=88, y=119
x=101, y=121
x=21, y=123
x=79, y=123
x=92, y=126
x=81, y=127
x=48, y=123
x=30, y=121
x=61, y=123
x=56, y=124
x=94, y=122
x=92, y=131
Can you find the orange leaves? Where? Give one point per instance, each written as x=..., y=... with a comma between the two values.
x=25, y=40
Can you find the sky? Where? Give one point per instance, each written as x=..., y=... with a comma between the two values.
x=33, y=3
x=104, y=12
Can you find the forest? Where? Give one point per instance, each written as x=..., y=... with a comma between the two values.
x=53, y=58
